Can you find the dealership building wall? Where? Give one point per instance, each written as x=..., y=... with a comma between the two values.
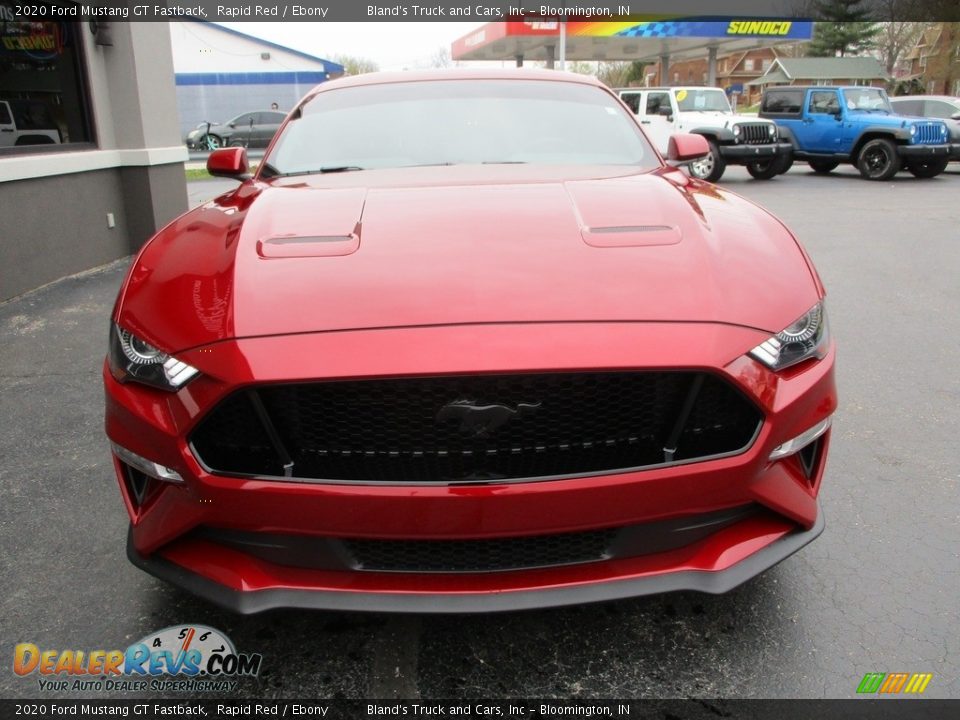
x=221, y=73
x=117, y=175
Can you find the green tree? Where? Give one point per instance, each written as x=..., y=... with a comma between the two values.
x=843, y=28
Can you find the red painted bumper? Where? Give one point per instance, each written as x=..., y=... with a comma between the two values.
x=155, y=425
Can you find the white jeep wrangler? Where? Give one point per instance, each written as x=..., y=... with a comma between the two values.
x=733, y=139
x=27, y=122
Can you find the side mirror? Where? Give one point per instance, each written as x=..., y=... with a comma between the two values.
x=685, y=148
x=666, y=111
x=229, y=163
x=955, y=116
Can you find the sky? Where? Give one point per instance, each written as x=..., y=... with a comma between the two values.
x=392, y=45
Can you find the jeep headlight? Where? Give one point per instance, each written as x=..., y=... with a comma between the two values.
x=773, y=130
x=802, y=339
x=736, y=131
x=132, y=359
x=913, y=130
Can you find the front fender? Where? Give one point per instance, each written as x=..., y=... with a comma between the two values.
x=722, y=135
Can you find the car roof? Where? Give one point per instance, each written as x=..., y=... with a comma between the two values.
x=946, y=98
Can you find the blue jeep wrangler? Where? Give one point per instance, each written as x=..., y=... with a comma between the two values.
x=832, y=125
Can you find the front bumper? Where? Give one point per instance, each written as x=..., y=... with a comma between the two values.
x=247, y=602
x=922, y=152
x=742, y=154
x=166, y=539
x=955, y=151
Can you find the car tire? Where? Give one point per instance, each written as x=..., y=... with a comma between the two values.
x=823, y=166
x=237, y=142
x=711, y=167
x=927, y=168
x=787, y=164
x=766, y=169
x=878, y=160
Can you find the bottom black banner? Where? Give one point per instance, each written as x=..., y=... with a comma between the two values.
x=691, y=709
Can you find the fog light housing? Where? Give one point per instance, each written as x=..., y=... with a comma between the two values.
x=798, y=443
x=147, y=467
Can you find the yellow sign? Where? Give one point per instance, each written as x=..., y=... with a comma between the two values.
x=759, y=27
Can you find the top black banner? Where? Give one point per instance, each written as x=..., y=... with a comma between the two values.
x=462, y=10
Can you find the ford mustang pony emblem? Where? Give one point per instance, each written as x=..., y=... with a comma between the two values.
x=480, y=420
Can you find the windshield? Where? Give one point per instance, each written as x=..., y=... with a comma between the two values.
x=702, y=100
x=867, y=99
x=452, y=122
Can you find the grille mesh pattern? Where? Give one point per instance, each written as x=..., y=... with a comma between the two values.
x=481, y=555
x=755, y=134
x=508, y=427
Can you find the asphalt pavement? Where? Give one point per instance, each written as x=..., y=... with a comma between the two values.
x=877, y=592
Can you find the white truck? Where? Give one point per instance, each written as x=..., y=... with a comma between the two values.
x=733, y=139
x=27, y=122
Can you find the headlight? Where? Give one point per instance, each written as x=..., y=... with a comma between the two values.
x=913, y=129
x=943, y=130
x=802, y=339
x=135, y=360
x=736, y=130
x=773, y=130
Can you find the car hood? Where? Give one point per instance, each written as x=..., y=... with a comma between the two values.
x=881, y=120
x=438, y=246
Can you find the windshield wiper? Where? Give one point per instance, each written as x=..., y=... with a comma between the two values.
x=339, y=168
x=323, y=170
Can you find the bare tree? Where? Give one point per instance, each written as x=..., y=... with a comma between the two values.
x=581, y=67
x=896, y=36
x=355, y=65
x=441, y=58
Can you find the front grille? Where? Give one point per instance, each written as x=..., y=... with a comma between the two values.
x=928, y=134
x=755, y=134
x=474, y=428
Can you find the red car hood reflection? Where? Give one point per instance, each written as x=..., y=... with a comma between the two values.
x=438, y=246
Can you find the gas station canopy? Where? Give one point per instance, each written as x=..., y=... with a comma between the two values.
x=661, y=39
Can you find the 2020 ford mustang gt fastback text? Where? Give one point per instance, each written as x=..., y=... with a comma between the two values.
x=466, y=342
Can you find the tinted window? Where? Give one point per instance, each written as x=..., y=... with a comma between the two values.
x=940, y=109
x=780, y=101
x=632, y=100
x=4, y=115
x=655, y=101
x=908, y=107
x=32, y=115
x=824, y=102
x=452, y=122
x=272, y=118
x=243, y=119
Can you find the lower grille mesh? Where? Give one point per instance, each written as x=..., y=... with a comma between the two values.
x=475, y=428
x=480, y=555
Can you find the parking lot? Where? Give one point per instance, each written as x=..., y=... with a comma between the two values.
x=877, y=592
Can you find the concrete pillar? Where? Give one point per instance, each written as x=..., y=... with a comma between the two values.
x=551, y=56
x=712, y=66
x=665, y=70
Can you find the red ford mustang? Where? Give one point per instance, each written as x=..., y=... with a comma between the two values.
x=465, y=342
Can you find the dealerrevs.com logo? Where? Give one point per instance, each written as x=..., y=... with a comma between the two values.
x=186, y=658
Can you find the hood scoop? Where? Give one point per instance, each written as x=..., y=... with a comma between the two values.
x=294, y=246
x=617, y=214
x=630, y=235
